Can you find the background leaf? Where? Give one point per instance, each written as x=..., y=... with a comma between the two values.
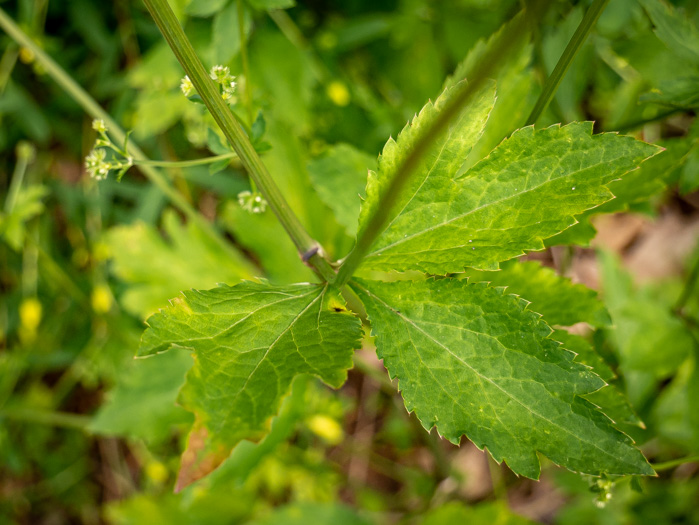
x=157, y=269
x=556, y=298
x=339, y=176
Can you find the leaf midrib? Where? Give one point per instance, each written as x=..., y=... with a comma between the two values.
x=235, y=396
x=484, y=206
x=481, y=376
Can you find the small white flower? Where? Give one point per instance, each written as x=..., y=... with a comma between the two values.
x=186, y=86
x=220, y=74
x=99, y=126
x=229, y=91
x=252, y=202
x=96, y=165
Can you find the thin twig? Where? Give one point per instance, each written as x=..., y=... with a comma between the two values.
x=667, y=465
x=579, y=37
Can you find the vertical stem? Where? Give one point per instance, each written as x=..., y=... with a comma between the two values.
x=579, y=37
x=171, y=29
x=688, y=287
x=247, y=97
x=23, y=156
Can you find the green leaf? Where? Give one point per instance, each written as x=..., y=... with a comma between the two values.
x=308, y=512
x=634, y=190
x=205, y=7
x=157, y=270
x=225, y=39
x=680, y=93
x=249, y=342
x=674, y=413
x=339, y=176
x=609, y=398
x=556, y=298
x=473, y=361
x=27, y=205
x=280, y=260
x=529, y=188
x=615, y=405
x=142, y=405
x=647, y=336
x=675, y=30
x=218, y=166
x=586, y=354
x=514, y=86
x=689, y=178
x=437, y=168
x=272, y=4
x=493, y=513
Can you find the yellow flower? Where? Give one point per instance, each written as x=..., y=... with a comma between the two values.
x=30, y=314
x=101, y=299
x=338, y=93
x=326, y=428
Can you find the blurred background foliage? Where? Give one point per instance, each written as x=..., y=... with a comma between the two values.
x=90, y=435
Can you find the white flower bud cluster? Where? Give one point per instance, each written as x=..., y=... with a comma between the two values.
x=96, y=162
x=219, y=74
x=187, y=87
x=252, y=202
x=222, y=76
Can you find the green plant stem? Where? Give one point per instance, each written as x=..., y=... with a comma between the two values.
x=667, y=465
x=7, y=64
x=579, y=37
x=46, y=417
x=247, y=95
x=427, y=138
x=497, y=478
x=171, y=29
x=689, y=286
x=16, y=182
x=184, y=163
x=245, y=62
x=91, y=107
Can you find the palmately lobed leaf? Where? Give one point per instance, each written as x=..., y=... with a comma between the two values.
x=249, y=342
x=474, y=361
x=528, y=189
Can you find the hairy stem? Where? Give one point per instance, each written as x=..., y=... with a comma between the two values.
x=409, y=165
x=579, y=37
x=179, y=43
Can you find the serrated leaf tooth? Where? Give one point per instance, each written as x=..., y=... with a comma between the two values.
x=503, y=354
